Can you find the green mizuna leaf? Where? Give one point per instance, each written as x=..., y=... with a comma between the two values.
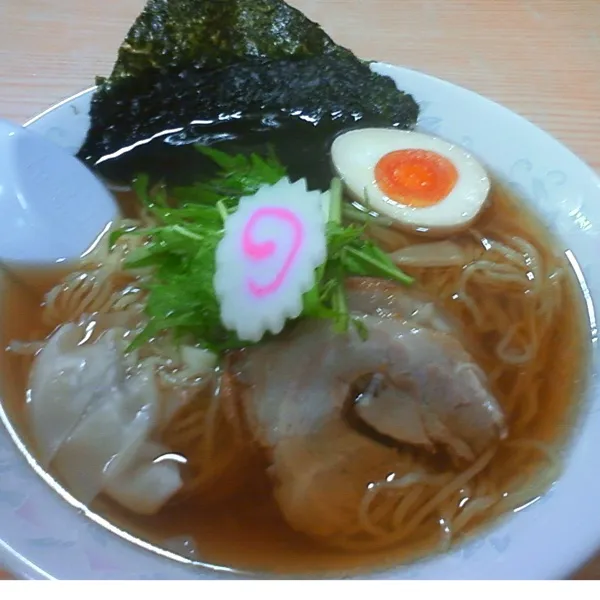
x=181, y=248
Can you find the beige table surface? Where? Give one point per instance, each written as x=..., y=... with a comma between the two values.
x=539, y=58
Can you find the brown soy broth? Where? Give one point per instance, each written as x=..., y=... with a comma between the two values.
x=247, y=532
x=23, y=292
x=569, y=347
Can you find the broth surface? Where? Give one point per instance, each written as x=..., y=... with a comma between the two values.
x=247, y=531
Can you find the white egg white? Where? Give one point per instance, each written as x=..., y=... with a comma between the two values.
x=356, y=153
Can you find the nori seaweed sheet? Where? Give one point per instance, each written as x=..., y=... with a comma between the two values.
x=297, y=107
x=239, y=74
x=211, y=33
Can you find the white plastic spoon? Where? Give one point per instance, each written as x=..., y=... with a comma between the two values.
x=52, y=208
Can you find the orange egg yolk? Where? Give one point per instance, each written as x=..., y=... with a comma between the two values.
x=417, y=178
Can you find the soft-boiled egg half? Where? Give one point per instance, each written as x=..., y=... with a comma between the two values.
x=423, y=183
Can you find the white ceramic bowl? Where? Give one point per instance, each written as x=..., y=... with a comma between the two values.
x=42, y=535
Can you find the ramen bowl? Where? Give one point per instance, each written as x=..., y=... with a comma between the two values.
x=46, y=533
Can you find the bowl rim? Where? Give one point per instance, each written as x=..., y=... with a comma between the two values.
x=578, y=554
